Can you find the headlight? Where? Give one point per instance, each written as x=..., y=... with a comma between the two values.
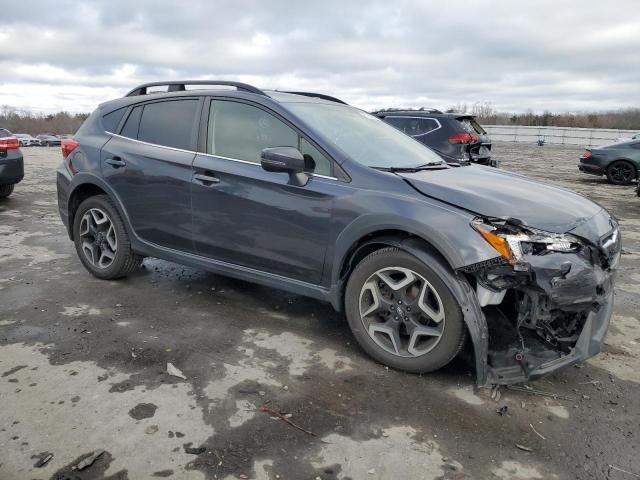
x=513, y=242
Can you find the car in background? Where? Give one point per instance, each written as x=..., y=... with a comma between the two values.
x=620, y=162
x=11, y=162
x=47, y=140
x=628, y=139
x=456, y=137
x=27, y=140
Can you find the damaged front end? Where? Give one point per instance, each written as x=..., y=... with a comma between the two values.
x=547, y=298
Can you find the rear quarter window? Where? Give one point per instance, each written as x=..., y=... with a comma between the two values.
x=110, y=121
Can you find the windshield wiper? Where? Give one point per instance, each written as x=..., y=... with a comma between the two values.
x=418, y=168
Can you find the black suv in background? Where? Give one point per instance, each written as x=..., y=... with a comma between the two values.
x=301, y=192
x=11, y=162
x=456, y=137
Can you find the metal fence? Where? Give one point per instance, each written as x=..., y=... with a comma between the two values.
x=558, y=135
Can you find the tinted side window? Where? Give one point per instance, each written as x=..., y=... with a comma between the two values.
x=4, y=133
x=110, y=121
x=130, y=128
x=168, y=123
x=315, y=162
x=413, y=126
x=241, y=131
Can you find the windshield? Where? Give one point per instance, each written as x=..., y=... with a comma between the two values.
x=363, y=137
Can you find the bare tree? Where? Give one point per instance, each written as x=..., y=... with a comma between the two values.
x=20, y=121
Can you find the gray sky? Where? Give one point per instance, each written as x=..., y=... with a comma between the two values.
x=557, y=55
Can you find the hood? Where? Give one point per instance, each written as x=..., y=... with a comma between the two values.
x=492, y=192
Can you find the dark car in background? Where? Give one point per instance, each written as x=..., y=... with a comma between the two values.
x=11, y=162
x=620, y=162
x=303, y=193
x=47, y=140
x=456, y=137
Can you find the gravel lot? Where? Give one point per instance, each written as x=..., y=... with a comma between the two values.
x=83, y=368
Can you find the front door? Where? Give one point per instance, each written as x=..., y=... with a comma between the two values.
x=149, y=165
x=247, y=216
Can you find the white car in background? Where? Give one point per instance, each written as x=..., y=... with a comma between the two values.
x=27, y=140
x=628, y=139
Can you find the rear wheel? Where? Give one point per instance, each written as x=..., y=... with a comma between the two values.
x=6, y=190
x=621, y=172
x=402, y=313
x=101, y=240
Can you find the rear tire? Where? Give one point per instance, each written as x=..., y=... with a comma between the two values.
x=6, y=190
x=102, y=241
x=416, y=324
x=621, y=172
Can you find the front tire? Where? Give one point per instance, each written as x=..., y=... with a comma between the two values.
x=402, y=313
x=621, y=172
x=102, y=241
x=6, y=190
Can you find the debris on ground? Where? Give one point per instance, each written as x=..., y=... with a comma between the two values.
x=193, y=450
x=143, y=410
x=536, y=432
x=284, y=418
x=87, y=462
x=151, y=429
x=523, y=448
x=44, y=460
x=496, y=394
x=618, y=469
x=542, y=393
x=174, y=371
x=502, y=410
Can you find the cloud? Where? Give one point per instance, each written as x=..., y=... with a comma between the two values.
x=517, y=55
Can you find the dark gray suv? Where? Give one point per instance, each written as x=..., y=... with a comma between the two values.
x=301, y=192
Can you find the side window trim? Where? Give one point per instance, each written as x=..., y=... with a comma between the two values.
x=203, y=139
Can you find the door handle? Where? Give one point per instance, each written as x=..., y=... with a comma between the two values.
x=206, y=180
x=116, y=162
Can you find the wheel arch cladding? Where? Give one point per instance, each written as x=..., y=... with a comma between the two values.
x=462, y=291
x=87, y=185
x=79, y=195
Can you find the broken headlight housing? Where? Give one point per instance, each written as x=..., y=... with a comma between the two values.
x=513, y=242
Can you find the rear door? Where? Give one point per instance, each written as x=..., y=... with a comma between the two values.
x=247, y=216
x=149, y=165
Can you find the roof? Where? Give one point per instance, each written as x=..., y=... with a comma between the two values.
x=175, y=86
x=422, y=112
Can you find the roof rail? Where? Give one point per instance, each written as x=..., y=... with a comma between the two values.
x=317, y=95
x=421, y=109
x=179, y=86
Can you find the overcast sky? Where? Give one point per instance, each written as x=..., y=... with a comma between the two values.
x=557, y=55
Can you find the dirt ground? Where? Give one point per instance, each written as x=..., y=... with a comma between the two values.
x=83, y=369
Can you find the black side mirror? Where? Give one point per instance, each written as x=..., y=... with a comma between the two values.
x=286, y=160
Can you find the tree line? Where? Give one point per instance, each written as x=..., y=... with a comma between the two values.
x=624, y=119
x=22, y=121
